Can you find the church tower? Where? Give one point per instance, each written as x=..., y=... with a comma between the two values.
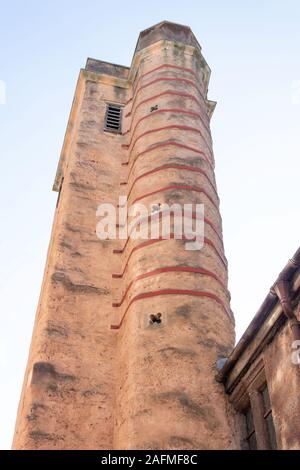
x=128, y=332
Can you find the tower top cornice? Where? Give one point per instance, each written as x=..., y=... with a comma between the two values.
x=168, y=31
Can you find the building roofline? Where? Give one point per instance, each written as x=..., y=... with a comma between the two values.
x=108, y=68
x=106, y=62
x=287, y=274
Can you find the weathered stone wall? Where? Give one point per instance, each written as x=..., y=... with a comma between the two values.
x=69, y=389
x=283, y=377
x=99, y=374
x=270, y=357
x=168, y=397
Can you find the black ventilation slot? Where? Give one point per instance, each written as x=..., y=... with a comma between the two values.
x=113, y=118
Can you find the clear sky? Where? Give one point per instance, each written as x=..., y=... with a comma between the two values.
x=253, y=49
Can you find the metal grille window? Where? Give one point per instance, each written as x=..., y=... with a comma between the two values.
x=113, y=118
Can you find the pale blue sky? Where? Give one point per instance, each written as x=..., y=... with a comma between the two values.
x=253, y=49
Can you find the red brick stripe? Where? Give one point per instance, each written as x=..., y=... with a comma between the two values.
x=177, y=186
x=166, y=144
x=158, y=215
x=163, y=110
x=169, y=269
x=146, y=243
x=194, y=293
x=166, y=79
x=172, y=93
x=165, y=128
x=160, y=67
x=169, y=110
x=163, y=93
x=175, y=167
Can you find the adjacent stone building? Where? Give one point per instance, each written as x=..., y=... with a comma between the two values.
x=262, y=374
x=130, y=335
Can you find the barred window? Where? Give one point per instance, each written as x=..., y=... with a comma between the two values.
x=113, y=118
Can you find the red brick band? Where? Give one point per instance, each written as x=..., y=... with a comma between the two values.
x=159, y=111
x=166, y=79
x=174, y=166
x=172, y=93
x=178, y=186
x=181, y=111
x=165, y=128
x=160, y=67
x=166, y=144
x=170, y=110
x=194, y=293
x=132, y=144
x=169, y=269
x=158, y=215
x=147, y=243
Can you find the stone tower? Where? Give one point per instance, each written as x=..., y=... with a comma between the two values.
x=101, y=374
